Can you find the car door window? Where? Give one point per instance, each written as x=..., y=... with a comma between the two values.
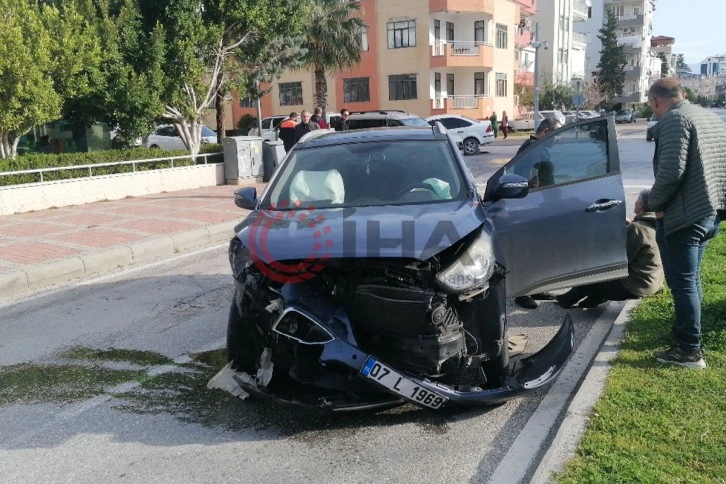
x=571, y=231
x=575, y=153
x=266, y=123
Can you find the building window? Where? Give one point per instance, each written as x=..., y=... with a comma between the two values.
x=450, y=85
x=291, y=94
x=355, y=90
x=501, y=36
x=636, y=10
x=450, y=31
x=401, y=34
x=437, y=83
x=480, y=84
x=501, y=85
x=247, y=102
x=364, y=39
x=480, y=32
x=402, y=86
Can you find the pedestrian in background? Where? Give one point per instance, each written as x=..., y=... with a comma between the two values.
x=343, y=124
x=689, y=198
x=495, y=124
x=306, y=125
x=317, y=117
x=287, y=131
x=645, y=270
x=505, y=124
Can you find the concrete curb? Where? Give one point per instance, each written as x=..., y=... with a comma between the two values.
x=570, y=431
x=523, y=457
x=32, y=278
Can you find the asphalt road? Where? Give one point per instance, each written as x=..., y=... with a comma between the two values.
x=72, y=410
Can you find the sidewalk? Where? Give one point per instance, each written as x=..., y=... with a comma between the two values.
x=46, y=247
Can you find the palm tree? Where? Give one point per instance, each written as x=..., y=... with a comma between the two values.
x=332, y=40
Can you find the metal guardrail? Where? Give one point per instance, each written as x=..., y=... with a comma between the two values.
x=133, y=163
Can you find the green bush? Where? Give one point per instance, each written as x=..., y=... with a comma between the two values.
x=43, y=160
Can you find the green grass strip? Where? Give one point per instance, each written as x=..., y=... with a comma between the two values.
x=655, y=423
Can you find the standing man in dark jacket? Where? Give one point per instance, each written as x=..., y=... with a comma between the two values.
x=343, y=124
x=645, y=270
x=688, y=196
x=305, y=126
x=287, y=131
x=317, y=117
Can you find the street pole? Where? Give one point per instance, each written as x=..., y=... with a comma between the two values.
x=536, y=45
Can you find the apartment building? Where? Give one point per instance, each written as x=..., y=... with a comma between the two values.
x=714, y=66
x=635, y=30
x=662, y=44
x=555, y=22
x=421, y=56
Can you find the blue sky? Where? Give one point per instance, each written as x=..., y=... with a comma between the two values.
x=699, y=27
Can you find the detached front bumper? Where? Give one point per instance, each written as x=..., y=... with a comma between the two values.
x=530, y=373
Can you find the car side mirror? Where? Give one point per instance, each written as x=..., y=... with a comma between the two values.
x=510, y=186
x=246, y=198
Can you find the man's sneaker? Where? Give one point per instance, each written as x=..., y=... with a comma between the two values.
x=569, y=299
x=591, y=301
x=676, y=356
x=526, y=302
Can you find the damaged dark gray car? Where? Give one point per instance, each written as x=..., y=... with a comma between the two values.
x=372, y=272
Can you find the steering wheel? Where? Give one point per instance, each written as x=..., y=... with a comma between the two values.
x=415, y=186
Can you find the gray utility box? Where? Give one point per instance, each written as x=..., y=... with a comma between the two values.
x=272, y=154
x=242, y=158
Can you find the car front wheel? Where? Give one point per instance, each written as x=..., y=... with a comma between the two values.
x=471, y=146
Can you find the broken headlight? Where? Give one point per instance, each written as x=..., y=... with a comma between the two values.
x=472, y=269
x=239, y=257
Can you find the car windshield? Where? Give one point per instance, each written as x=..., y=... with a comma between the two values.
x=372, y=173
x=414, y=122
x=207, y=132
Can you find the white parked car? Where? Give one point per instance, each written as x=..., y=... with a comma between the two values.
x=473, y=133
x=525, y=122
x=269, y=127
x=167, y=137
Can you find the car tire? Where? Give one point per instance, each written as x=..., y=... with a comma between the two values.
x=241, y=346
x=154, y=147
x=471, y=146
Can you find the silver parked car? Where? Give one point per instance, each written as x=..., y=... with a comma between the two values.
x=166, y=137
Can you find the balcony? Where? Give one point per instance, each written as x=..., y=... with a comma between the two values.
x=632, y=40
x=473, y=106
x=630, y=21
x=479, y=6
x=633, y=72
x=579, y=11
x=462, y=54
x=630, y=97
x=579, y=40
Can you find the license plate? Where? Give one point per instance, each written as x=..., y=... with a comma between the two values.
x=401, y=385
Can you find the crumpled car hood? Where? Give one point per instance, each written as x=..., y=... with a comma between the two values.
x=407, y=231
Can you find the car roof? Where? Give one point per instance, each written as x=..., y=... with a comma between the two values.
x=329, y=138
x=396, y=113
